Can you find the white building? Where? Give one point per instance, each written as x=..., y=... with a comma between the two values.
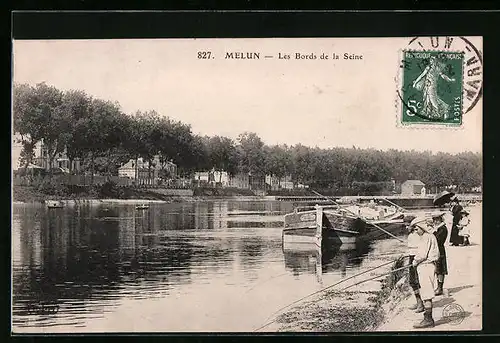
x=129, y=169
x=212, y=177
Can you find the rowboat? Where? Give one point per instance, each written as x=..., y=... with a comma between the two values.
x=333, y=225
x=54, y=204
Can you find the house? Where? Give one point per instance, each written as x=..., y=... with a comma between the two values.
x=128, y=169
x=240, y=180
x=276, y=183
x=212, y=177
x=248, y=181
x=60, y=161
x=412, y=187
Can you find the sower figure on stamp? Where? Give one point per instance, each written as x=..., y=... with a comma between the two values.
x=456, y=211
x=413, y=242
x=427, y=82
x=425, y=261
x=441, y=232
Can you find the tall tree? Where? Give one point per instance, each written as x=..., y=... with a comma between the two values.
x=34, y=116
x=252, y=158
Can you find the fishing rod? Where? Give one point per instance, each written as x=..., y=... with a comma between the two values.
x=324, y=196
x=375, y=277
x=350, y=259
x=387, y=232
x=375, y=255
x=321, y=290
x=392, y=271
x=392, y=203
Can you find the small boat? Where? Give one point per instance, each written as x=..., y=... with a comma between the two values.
x=142, y=207
x=54, y=204
x=332, y=225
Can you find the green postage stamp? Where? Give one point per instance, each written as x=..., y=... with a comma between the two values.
x=432, y=89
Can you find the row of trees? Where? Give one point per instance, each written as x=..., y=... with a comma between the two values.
x=101, y=135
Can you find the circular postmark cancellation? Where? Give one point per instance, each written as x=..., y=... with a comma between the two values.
x=453, y=313
x=441, y=80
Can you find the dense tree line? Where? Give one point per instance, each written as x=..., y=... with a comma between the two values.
x=103, y=137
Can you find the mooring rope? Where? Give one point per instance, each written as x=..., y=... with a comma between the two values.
x=368, y=222
x=321, y=290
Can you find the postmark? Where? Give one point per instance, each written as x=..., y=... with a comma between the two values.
x=432, y=87
x=470, y=82
x=472, y=67
x=454, y=314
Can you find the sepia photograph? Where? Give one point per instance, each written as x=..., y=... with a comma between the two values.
x=256, y=185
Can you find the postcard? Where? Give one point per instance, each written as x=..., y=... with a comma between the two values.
x=247, y=185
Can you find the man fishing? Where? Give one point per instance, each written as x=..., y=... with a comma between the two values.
x=441, y=232
x=413, y=241
x=425, y=261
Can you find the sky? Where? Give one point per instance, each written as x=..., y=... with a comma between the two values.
x=324, y=103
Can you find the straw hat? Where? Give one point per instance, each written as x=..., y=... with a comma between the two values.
x=421, y=222
x=438, y=215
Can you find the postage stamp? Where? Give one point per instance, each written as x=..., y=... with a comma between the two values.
x=432, y=87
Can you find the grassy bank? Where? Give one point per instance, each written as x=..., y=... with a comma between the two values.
x=360, y=308
x=62, y=192
x=336, y=311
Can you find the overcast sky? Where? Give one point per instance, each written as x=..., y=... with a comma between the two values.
x=313, y=102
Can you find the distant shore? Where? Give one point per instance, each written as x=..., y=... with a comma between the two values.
x=27, y=194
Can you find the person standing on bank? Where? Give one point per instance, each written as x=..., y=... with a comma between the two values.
x=413, y=242
x=441, y=232
x=463, y=227
x=456, y=211
x=425, y=261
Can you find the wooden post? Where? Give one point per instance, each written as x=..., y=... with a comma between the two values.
x=319, y=224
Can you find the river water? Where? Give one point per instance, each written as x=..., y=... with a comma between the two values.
x=204, y=266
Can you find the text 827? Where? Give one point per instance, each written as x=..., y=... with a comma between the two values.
x=204, y=55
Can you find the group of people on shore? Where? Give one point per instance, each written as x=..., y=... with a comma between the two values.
x=427, y=256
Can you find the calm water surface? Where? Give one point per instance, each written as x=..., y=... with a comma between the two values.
x=206, y=266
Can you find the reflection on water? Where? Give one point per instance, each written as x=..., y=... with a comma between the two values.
x=105, y=267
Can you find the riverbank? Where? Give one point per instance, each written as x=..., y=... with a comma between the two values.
x=27, y=194
x=349, y=306
x=382, y=304
x=462, y=287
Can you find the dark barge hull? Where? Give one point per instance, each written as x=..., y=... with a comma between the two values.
x=336, y=228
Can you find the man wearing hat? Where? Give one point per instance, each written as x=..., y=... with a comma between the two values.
x=425, y=261
x=413, y=242
x=441, y=232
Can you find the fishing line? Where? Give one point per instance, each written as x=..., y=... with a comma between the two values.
x=375, y=277
x=390, y=234
x=392, y=271
x=271, y=278
x=321, y=290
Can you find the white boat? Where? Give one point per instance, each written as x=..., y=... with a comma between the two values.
x=54, y=204
x=142, y=207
